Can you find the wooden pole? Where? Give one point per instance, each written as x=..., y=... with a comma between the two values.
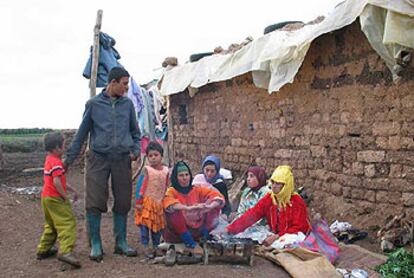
x=170, y=140
x=95, y=53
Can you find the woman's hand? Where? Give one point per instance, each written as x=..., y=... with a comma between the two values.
x=270, y=239
x=211, y=206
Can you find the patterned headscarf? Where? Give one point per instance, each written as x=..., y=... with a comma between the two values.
x=179, y=167
x=260, y=174
x=283, y=174
x=216, y=161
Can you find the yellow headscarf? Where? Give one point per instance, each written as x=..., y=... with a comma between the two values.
x=283, y=174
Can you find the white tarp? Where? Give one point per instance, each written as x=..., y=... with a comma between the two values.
x=275, y=58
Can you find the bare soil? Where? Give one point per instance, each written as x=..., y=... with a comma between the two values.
x=21, y=225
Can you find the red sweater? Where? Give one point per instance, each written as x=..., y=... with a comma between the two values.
x=291, y=220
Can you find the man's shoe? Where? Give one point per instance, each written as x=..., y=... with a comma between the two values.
x=197, y=250
x=170, y=257
x=69, y=258
x=49, y=253
x=120, y=231
x=149, y=253
x=94, y=226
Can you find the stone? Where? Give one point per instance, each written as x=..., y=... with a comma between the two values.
x=408, y=199
x=386, y=128
x=371, y=156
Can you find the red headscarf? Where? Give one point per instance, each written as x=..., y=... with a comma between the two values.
x=260, y=174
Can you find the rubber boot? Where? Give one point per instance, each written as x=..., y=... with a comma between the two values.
x=94, y=227
x=120, y=231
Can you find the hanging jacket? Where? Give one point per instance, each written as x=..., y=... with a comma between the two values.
x=108, y=58
x=291, y=220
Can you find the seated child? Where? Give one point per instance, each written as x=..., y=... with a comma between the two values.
x=60, y=223
x=211, y=174
x=256, y=189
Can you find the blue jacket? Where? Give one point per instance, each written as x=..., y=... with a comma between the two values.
x=108, y=58
x=112, y=125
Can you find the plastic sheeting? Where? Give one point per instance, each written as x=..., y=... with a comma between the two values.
x=389, y=28
x=274, y=59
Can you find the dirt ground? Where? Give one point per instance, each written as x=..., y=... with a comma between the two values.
x=21, y=226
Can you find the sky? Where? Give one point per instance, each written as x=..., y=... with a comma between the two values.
x=45, y=45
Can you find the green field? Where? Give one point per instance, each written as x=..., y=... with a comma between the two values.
x=21, y=142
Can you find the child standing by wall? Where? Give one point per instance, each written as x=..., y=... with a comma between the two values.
x=60, y=222
x=150, y=191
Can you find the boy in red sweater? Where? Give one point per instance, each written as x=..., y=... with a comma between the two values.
x=60, y=222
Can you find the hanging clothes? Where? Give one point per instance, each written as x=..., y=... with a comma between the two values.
x=108, y=58
x=135, y=94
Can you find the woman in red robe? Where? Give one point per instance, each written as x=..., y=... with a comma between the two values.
x=283, y=208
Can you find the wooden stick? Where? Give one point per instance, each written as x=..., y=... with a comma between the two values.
x=95, y=54
x=171, y=151
x=139, y=169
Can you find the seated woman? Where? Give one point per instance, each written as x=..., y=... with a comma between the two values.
x=191, y=211
x=211, y=174
x=256, y=189
x=284, y=210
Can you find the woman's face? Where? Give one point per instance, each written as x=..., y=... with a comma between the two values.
x=252, y=180
x=277, y=187
x=184, y=179
x=210, y=171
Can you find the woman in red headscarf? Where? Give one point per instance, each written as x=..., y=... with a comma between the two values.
x=256, y=189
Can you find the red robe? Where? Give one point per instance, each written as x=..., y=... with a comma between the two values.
x=291, y=220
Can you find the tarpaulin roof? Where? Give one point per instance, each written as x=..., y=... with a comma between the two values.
x=275, y=58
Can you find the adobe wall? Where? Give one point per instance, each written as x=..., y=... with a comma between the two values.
x=343, y=126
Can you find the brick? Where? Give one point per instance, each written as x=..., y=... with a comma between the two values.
x=386, y=197
x=386, y=128
x=395, y=170
x=408, y=199
x=283, y=153
x=382, y=142
x=357, y=194
x=318, y=151
x=408, y=172
x=357, y=168
x=336, y=189
x=371, y=156
x=369, y=171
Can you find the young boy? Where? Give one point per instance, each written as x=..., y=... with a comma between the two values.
x=60, y=222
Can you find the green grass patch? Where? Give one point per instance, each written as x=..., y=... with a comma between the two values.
x=400, y=264
x=21, y=142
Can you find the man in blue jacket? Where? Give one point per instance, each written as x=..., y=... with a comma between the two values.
x=110, y=120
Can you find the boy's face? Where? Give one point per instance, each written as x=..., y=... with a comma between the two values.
x=210, y=171
x=118, y=89
x=58, y=151
x=154, y=158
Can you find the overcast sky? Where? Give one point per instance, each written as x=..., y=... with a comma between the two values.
x=45, y=45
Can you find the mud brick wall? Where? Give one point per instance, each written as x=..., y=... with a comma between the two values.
x=345, y=128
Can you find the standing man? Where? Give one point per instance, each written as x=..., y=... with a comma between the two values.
x=110, y=120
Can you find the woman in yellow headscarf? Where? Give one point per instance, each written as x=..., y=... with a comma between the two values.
x=284, y=210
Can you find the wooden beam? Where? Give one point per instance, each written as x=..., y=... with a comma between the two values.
x=95, y=53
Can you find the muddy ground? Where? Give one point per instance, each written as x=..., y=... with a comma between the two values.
x=21, y=226
x=22, y=222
